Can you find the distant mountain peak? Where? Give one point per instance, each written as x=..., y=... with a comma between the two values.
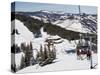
x=45, y=11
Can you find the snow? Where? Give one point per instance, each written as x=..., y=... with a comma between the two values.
x=16, y=59
x=25, y=36
x=73, y=25
x=52, y=12
x=64, y=46
x=35, y=17
x=45, y=11
x=61, y=47
x=44, y=19
x=65, y=62
x=92, y=18
x=68, y=24
x=63, y=17
x=41, y=40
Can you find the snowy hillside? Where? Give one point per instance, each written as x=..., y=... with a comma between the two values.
x=65, y=45
x=27, y=36
x=73, y=25
x=16, y=59
x=53, y=37
x=67, y=21
x=24, y=36
x=65, y=62
x=68, y=24
x=61, y=31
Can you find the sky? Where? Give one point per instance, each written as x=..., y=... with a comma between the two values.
x=31, y=7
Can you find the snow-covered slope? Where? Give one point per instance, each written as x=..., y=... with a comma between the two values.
x=27, y=36
x=68, y=21
x=36, y=17
x=73, y=25
x=39, y=18
x=24, y=36
x=61, y=47
x=65, y=62
x=16, y=59
x=45, y=11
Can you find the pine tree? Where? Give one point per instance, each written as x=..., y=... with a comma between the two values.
x=41, y=51
x=22, y=64
x=32, y=60
x=31, y=47
x=23, y=47
x=53, y=53
x=47, y=55
x=45, y=52
x=41, y=55
x=28, y=55
x=28, y=51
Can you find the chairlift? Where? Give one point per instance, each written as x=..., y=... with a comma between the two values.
x=86, y=47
